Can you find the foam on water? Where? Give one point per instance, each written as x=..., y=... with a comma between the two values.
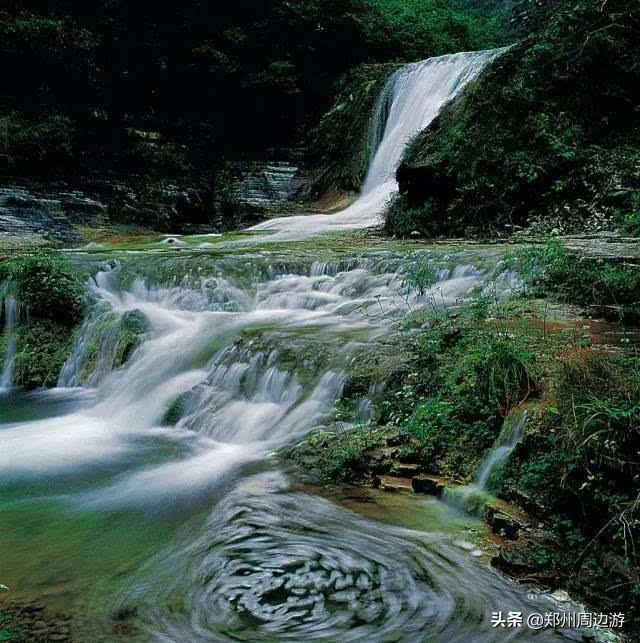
x=412, y=98
x=235, y=396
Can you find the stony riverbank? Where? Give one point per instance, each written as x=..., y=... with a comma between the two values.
x=555, y=504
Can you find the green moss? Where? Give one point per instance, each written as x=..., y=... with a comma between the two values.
x=548, y=133
x=175, y=410
x=42, y=348
x=342, y=140
x=131, y=333
x=46, y=285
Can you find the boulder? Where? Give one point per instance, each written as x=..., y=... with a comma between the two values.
x=404, y=470
x=431, y=485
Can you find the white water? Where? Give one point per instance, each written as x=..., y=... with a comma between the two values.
x=10, y=322
x=416, y=94
x=472, y=498
x=268, y=563
x=241, y=403
x=257, y=354
x=501, y=451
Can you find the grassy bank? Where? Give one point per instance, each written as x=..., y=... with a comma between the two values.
x=455, y=374
x=51, y=302
x=547, y=136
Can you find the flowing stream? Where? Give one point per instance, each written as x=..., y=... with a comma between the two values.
x=146, y=498
x=189, y=530
x=10, y=323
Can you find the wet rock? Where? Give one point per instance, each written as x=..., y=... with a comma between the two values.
x=32, y=622
x=514, y=560
x=266, y=186
x=404, y=470
x=523, y=557
x=504, y=525
x=428, y=484
x=395, y=440
x=505, y=520
x=396, y=485
x=176, y=243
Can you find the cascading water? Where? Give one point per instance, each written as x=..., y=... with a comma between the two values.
x=151, y=504
x=507, y=442
x=471, y=498
x=239, y=359
x=411, y=99
x=10, y=323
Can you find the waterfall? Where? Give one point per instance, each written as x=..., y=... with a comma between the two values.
x=411, y=99
x=10, y=323
x=501, y=451
x=472, y=498
x=253, y=353
x=164, y=468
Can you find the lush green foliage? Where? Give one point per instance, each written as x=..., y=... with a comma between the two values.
x=46, y=286
x=52, y=300
x=414, y=27
x=42, y=142
x=550, y=130
x=245, y=76
x=42, y=349
x=553, y=271
x=465, y=376
x=578, y=468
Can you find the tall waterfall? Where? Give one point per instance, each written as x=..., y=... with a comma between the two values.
x=10, y=322
x=411, y=99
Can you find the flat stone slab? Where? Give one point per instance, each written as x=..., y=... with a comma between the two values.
x=405, y=470
x=394, y=484
x=429, y=484
x=605, y=246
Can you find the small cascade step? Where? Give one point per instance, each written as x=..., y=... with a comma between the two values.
x=430, y=484
x=393, y=484
x=405, y=470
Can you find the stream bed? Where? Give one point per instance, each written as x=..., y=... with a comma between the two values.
x=147, y=501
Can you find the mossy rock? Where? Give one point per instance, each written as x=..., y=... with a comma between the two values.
x=175, y=410
x=42, y=349
x=134, y=327
x=342, y=141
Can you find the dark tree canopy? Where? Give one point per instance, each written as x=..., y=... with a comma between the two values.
x=226, y=79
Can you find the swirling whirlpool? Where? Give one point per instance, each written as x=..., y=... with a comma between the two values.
x=271, y=564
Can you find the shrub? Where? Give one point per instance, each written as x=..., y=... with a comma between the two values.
x=548, y=130
x=575, y=278
x=42, y=348
x=579, y=467
x=47, y=142
x=46, y=286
